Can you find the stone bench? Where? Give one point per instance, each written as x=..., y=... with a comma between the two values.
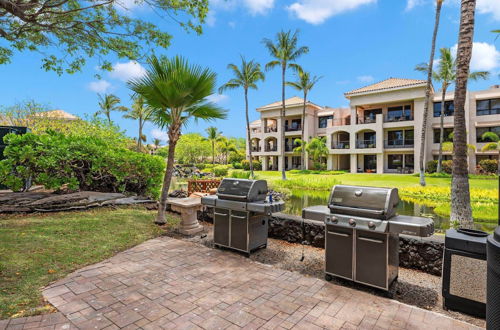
x=188, y=208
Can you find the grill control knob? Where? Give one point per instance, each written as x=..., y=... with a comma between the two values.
x=371, y=225
x=334, y=220
x=352, y=222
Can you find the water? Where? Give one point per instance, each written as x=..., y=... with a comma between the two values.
x=299, y=199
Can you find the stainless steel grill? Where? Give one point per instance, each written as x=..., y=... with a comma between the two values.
x=241, y=214
x=362, y=228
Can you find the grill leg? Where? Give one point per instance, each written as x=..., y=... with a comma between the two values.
x=328, y=277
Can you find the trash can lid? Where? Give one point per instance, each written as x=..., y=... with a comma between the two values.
x=466, y=240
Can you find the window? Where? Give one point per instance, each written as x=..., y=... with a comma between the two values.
x=409, y=136
x=369, y=116
x=446, y=137
x=481, y=130
x=394, y=162
x=323, y=121
x=398, y=113
x=400, y=137
x=445, y=157
x=449, y=108
x=410, y=161
x=488, y=107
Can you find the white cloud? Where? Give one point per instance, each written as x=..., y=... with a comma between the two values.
x=157, y=133
x=259, y=6
x=365, y=79
x=489, y=7
x=128, y=70
x=99, y=86
x=410, y=4
x=485, y=57
x=211, y=19
x=318, y=11
x=217, y=98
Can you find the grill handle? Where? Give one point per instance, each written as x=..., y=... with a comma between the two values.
x=356, y=209
x=238, y=217
x=232, y=196
x=221, y=214
x=338, y=234
x=372, y=240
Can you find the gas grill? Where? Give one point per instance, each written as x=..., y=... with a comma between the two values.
x=362, y=233
x=241, y=214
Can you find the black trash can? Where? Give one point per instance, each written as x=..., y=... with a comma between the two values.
x=493, y=280
x=464, y=271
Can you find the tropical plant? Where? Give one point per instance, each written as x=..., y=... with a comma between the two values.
x=109, y=103
x=446, y=74
x=304, y=83
x=285, y=51
x=68, y=33
x=316, y=148
x=461, y=211
x=213, y=135
x=177, y=91
x=140, y=112
x=428, y=86
x=494, y=144
x=192, y=148
x=226, y=146
x=156, y=143
x=246, y=76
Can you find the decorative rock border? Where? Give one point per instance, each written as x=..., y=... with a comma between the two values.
x=425, y=254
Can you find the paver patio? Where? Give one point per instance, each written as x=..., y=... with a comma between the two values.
x=174, y=284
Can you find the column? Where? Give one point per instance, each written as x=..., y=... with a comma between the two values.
x=354, y=163
x=265, y=163
x=329, y=162
x=380, y=163
x=280, y=163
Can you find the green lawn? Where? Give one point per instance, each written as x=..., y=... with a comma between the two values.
x=39, y=249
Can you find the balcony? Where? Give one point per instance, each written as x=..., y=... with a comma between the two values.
x=393, y=119
x=341, y=145
x=366, y=144
x=256, y=148
x=270, y=129
x=388, y=144
x=290, y=148
x=366, y=120
x=293, y=128
x=271, y=148
x=255, y=130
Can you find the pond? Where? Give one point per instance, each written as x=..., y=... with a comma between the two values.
x=299, y=199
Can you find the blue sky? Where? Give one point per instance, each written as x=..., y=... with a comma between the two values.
x=352, y=43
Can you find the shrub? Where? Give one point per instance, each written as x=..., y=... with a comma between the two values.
x=432, y=166
x=446, y=166
x=240, y=174
x=489, y=166
x=257, y=165
x=53, y=160
x=220, y=170
x=237, y=166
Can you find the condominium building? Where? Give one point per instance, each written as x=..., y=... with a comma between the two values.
x=379, y=133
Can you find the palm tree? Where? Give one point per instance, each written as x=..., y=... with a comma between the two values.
x=226, y=146
x=428, y=92
x=142, y=113
x=156, y=143
x=109, y=103
x=284, y=51
x=316, y=148
x=494, y=144
x=213, y=136
x=446, y=74
x=303, y=83
x=460, y=194
x=177, y=92
x=246, y=76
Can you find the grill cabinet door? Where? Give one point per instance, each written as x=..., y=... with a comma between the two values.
x=338, y=251
x=239, y=230
x=371, y=258
x=221, y=226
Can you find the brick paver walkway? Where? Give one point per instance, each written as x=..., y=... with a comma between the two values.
x=173, y=284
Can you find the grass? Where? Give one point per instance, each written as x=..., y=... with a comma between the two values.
x=484, y=189
x=39, y=249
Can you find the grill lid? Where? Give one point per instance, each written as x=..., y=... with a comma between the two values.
x=242, y=190
x=370, y=202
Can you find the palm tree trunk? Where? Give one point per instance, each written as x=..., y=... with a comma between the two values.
x=139, y=140
x=248, y=134
x=303, y=164
x=213, y=154
x=428, y=93
x=441, y=129
x=283, y=170
x=108, y=115
x=173, y=136
x=460, y=194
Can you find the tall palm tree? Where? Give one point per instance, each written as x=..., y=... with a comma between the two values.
x=303, y=83
x=494, y=144
x=428, y=92
x=177, y=92
x=142, y=113
x=213, y=136
x=246, y=76
x=460, y=194
x=109, y=103
x=226, y=146
x=284, y=51
x=446, y=75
